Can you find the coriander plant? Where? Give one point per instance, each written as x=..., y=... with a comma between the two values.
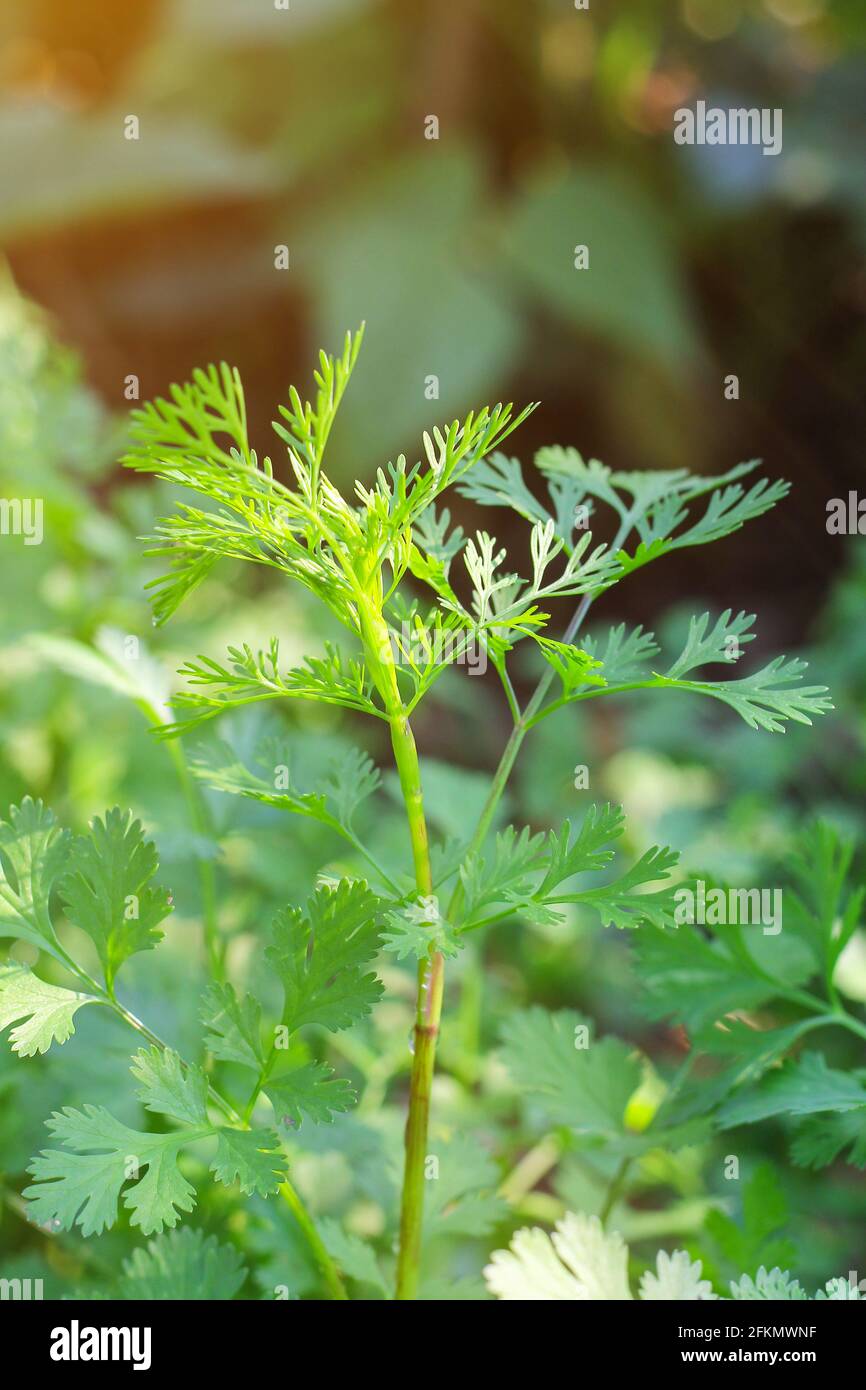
x=414, y=596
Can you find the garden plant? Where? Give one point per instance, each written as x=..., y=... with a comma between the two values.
x=415, y=598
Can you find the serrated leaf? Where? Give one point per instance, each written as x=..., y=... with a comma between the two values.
x=586, y=1088
x=182, y=1266
x=804, y=1087
x=498, y=482
x=431, y=570
x=696, y=980
x=199, y=439
x=33, y=854
x=526, y=873
x=731, y=507
x=319, y=956
x=439, y=544
x=508, y=874
x=108, y=893
x=774, y=1284
x=82, y=1182
x=233, y=1026
x=623, y=654
x=451, y=452
x=657, y=502
x=219, y=768
x=593, y=477
x=44, y=1012
x=703, y=648
x=824, y=909
x=162, y=1193
x=418, y=929
x=504, y=606
x=619, y=904
x=587, y=852
x=187, y=570
x=250, y=677
x=350, y=780
x=575, y=667
x=312, y=1090
x=754, y=1049
x=308, y=424
x=728, y=509
x=762, y=699
x=250, y=1157
x=821, y=1139
x=168, y=1087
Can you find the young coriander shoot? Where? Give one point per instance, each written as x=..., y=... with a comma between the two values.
x=382, y=561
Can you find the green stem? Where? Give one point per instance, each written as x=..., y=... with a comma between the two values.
x=533, y=1166
x=845, y=1020
x=406, y=758
x=261, y=1081
x=427, y=1014
x=507, y=686
x=522, y=726
x=431, y=971
x=328, y=1269
x=614, y=1191
x=428, y=1009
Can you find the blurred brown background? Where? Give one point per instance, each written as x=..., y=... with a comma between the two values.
x=305, y=127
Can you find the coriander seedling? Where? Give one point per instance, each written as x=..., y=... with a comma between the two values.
x=383, y=561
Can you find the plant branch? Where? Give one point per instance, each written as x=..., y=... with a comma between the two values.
x=533, y=1166
x=328, y=1268
x=427, y=1013
x=523, y=724
x=430, y=971
x=325, y=1263
x=614, y=1191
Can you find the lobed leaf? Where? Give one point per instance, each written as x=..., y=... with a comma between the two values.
x=44, y=1012
x=312, y=1090
x=251, y=1158
x=252, y=677
x=182, y=1266
x=33, y=854
x=108, y=893
x=805, y=1087
x=233, y=1027
x=319, y=956
x=81, y=1184
x=586, y=1088
x=168, y=1087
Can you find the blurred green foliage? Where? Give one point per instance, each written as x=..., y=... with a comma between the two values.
x=259, y=130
